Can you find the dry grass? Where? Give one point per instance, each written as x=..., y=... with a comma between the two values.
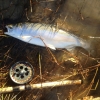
x=9, y=97
x=42, y=76
x=49, y=65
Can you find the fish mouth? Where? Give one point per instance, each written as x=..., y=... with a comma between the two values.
x=8, y=29
x=5, y=29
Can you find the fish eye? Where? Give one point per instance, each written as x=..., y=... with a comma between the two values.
x=10, y=26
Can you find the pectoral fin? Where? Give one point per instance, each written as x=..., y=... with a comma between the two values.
x=51, y=46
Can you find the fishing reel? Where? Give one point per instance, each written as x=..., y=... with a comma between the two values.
x=21, y=72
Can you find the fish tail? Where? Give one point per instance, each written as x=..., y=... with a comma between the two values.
x=85, y=44
x=92, y=46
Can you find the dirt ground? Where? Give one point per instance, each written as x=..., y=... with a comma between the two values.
x=81, y=18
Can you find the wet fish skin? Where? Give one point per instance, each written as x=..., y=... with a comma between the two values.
x=45, y=35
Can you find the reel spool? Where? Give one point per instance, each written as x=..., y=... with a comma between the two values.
x=21, y=72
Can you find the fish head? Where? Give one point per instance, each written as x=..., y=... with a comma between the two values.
x=10, y=30
x=17, y=32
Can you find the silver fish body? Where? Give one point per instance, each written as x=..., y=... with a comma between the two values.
x=45, y=35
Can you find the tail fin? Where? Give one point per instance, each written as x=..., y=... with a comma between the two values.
x=92, y=45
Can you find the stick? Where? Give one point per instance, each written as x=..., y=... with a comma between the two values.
x=1, y=32
x=38, y=86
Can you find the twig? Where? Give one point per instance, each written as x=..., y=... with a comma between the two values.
x=31, y=5
x=40, y=67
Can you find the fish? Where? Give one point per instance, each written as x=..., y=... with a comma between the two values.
x=45, y=35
